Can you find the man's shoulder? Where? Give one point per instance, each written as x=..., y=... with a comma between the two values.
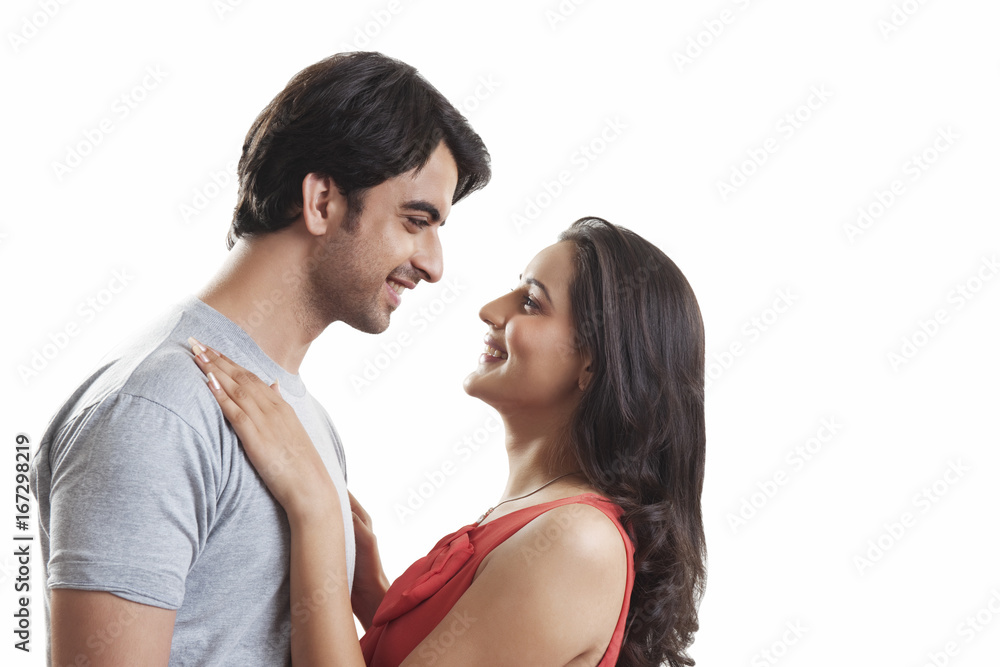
x=168, y=376
x=153, y=369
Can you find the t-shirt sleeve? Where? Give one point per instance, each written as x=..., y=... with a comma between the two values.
x=132, y=501
x=337, y=442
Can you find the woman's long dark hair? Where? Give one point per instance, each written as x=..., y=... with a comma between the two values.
x=639, y=433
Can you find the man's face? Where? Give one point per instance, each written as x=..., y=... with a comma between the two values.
x=393, y=246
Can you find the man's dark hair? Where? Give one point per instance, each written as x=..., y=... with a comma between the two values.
x=360, y=118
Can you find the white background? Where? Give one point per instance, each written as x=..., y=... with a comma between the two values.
x=891, y=79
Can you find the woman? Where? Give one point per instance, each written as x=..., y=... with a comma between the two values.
x=595, y=554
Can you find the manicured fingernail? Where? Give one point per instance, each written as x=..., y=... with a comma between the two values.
x=198, y=349
x=215, y=383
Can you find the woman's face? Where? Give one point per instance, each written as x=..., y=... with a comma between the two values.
x=530, y=360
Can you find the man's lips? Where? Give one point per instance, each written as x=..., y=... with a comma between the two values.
x=394, y=286
x=401, y=281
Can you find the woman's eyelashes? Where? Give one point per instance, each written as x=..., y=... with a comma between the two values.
x=527, y=301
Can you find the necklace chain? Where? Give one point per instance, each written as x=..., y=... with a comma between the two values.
x=510, y=500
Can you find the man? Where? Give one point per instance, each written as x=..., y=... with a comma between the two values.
x=162, y=544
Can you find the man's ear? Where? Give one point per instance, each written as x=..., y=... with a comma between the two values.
x=323, y=207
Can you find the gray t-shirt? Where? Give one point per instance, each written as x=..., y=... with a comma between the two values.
x=144, y=491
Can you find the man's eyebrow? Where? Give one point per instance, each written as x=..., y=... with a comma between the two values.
x=539, y=285
x=426, y=207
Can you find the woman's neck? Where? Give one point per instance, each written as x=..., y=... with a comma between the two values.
x=538, y=451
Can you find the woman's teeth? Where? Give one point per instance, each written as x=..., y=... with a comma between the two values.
x=493, y=352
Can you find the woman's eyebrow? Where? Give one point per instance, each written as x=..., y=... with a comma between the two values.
x=539, y=285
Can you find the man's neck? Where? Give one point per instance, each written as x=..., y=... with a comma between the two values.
x=253, y=289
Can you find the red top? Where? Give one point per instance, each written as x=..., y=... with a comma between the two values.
x=423, y=595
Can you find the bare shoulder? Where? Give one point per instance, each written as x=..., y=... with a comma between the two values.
x=578, y=530
x=551, y=594
x=566, y=547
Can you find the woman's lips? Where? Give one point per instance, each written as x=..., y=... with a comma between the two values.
x=494, y=352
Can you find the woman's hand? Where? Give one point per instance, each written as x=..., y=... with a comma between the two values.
x=272, y=436
x=277, y=444
x=370, y=582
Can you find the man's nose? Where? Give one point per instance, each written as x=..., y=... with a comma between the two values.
x=429, y=258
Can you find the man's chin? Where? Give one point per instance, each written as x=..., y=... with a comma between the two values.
x=370, y=324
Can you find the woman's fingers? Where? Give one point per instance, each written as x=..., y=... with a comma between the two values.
x=242, y=385
x=244, y=378
x=243, y=415
x=271, y=434
x=359, y=512
x=265, y=423
x=241, y=394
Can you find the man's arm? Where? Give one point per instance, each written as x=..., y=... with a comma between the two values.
x=138, y=472
x=97, y=628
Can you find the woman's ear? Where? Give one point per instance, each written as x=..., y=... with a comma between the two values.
x=585, y=373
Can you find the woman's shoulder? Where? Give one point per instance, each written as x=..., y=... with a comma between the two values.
x=585, y=528
x=568, y=540
x=569, y=563
x=563, y=541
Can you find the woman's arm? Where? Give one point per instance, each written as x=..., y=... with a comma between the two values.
x=370, y=582
x=549, y=595
x=323, y=631
x=277, y=444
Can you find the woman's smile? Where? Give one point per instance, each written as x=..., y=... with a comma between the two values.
x=494, y=352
